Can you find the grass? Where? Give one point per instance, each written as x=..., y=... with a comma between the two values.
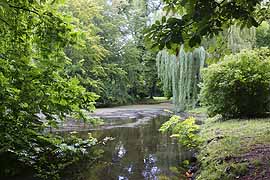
x=161, y=98
x=226, y=140
x=155, y=100
x=198, y=110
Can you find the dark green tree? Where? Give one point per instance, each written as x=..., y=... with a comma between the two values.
x=122, y=35
x=263, y=35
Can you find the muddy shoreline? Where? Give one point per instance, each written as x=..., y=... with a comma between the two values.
x=115, y=117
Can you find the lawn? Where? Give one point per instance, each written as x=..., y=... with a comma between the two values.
x=235, y=149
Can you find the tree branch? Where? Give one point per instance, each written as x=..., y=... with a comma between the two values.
x=25, y=9
x=5, y=21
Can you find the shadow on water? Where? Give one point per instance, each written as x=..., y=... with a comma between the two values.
x=137, y=153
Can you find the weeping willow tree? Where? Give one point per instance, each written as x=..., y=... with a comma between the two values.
x=241, y=38
x=181, y=75
x=231, y=40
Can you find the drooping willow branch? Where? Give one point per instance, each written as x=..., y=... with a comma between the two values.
x=181, y=75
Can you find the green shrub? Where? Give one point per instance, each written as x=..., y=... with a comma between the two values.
x=238, y=86
x=186, y=131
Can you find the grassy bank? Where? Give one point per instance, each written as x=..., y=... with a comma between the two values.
x=155, y=100
x=235, y=149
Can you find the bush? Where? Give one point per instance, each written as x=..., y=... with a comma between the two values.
x=186, y=131
x=238, y=86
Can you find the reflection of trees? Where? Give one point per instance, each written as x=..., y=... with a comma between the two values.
x=119, y=152
x=151, y=170
x=140, y=153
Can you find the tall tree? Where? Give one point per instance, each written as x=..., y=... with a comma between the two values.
x=33, y=81
x=88, y=53
x=122, y=35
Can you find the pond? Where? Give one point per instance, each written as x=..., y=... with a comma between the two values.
x=137, y=153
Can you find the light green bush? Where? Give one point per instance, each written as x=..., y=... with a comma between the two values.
x=186, y=131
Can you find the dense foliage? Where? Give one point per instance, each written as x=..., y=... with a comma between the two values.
x=111, y=59
x=239, y=86
x=131, y=73
x=36, y=91
x=190, y=21
x=263, y=35
x=49, y=156
x=56, y=60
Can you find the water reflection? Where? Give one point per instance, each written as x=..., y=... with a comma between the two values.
x=137, y=153
x=150, y=167
x=120, y=152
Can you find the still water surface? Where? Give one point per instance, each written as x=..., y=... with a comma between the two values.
x=137, y=153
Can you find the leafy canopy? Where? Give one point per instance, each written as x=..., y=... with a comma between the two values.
x=187, y=22
x=36, y=92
